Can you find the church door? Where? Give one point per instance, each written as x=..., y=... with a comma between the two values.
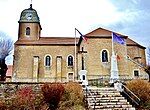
x=70, y=77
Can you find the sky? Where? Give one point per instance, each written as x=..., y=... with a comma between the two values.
x=59, y=18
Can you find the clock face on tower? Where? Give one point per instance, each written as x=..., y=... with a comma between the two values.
x=28, y=16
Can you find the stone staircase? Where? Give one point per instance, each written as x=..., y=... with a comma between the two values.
x=106, y=99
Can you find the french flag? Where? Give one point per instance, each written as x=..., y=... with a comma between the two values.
x=83, y=36
x=118, y=57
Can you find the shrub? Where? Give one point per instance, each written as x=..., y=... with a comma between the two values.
x=2, y=105
x=141, y=88
x=24, y=99
x=52, y=93
x=73, y=96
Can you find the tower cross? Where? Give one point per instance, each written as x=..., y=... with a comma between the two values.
x=82, y=52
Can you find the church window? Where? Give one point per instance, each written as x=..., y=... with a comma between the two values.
x=136, y=73
x=28, y=31
x=104, y=56
x=47, y=60
x=70, y=60
x=83, y=77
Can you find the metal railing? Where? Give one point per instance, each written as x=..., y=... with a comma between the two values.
x=135, y=62
x=131, y=95
x=102, y=82
x=88, y=93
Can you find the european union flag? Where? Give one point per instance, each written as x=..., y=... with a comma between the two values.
x=118, y=40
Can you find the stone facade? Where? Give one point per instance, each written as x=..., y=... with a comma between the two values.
x=26, y=54
x=32, y=52
x=35, y=33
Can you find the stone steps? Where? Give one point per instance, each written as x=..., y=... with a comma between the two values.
x=106, y=99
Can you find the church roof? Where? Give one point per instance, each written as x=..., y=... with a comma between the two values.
x=98, y=33
x=49, y=41
x=101, y=32
x=29, y=15
x=130, y=42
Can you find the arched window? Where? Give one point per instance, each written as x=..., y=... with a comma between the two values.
x=104, y=56
x=28, y=31
x=70, y=60
x=47, y=60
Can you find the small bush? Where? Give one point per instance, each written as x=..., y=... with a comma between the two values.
x=24, y=99
x=52, y=93
x=2, y=105
x=73, y=96
x=141, y=88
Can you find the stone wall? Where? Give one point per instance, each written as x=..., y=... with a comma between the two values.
x=8, y=88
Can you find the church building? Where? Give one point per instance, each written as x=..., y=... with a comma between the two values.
x=63, y=59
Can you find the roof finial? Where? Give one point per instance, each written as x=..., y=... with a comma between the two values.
x=31, y=5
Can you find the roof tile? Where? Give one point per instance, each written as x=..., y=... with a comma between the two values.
x=50, y=40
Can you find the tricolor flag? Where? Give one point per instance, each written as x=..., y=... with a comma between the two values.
x=118, y=57
x=83, y=36
x=118, y=40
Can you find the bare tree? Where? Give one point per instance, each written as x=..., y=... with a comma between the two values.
x=6, y=47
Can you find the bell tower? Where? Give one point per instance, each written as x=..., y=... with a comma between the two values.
x=29, y=25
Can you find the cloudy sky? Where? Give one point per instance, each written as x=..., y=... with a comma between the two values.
x=60, y=17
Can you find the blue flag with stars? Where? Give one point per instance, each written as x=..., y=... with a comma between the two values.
x=118, y=40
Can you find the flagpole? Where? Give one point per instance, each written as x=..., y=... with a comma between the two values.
x=126, y=57
x=112, y=44
x=114, y=67
x=75, y=54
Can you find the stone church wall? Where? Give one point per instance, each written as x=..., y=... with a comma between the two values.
x=25, y=56
x=137, y=54
x=93, y=63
